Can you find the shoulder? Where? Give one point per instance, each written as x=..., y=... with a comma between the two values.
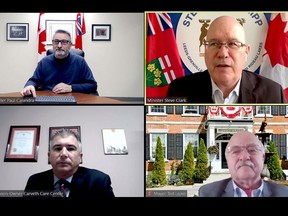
x=249, y=75
x=214, y=189
x=43, y=174
x=48, y=58
x=194, y=77
x=274, y=185
x=217, y=183
x=276, y=189
x=91, y=172
x=75, y=57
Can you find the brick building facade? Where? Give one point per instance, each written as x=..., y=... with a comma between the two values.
x=178, y=125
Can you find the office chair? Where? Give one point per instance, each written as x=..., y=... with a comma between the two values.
x=76, y=51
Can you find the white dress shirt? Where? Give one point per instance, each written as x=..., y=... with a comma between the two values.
x=217, y=94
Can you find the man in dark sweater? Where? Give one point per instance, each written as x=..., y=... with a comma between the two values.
x=61, y=72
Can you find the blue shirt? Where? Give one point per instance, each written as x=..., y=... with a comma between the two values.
x=72, y=70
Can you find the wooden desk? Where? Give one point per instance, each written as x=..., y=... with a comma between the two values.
x=80, y=97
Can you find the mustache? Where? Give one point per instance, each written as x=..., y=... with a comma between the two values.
x=245, y=163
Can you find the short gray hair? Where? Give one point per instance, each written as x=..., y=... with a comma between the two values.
x=64, y=132
x=61, y=31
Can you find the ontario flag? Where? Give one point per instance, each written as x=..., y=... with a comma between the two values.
x=275, y=58
x=41, y=32
x=80, y=30
x=163, y=63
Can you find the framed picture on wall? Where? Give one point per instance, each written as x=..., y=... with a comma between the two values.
x=22, y=144
x=17, y=32
x=53, y=130
x=54, y=25
x=114, y=141
x=101, y=32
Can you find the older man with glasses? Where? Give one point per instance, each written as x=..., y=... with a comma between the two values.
x=245, y=155
x=62, y=72
x=225, y=81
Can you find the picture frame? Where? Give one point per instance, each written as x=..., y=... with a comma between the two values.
x=101, y=32
x=114, y=141
x=17, y=31
x=52, y=130
x=53, y=25
x=23, y=144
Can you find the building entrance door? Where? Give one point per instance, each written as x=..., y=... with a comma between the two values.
x=223, y=158
x=222, y=142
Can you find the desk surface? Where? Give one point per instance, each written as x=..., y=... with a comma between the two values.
x=80, y=97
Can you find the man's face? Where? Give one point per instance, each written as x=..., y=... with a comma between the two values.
x=65, y=155
x=245, y=157
x=61, y=45
x=224, y=63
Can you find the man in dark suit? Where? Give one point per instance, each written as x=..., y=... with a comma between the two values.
x=225, y=81
x=245, y=156
x=65, y=156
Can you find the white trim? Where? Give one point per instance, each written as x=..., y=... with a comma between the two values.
x=174, y=123
x=158, y=130
x=156, y=114
x=189, y=130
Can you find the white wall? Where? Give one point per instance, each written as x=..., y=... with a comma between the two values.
x=117, y=65
x=126, y=171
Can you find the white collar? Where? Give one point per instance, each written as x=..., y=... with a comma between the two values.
x=217, y=94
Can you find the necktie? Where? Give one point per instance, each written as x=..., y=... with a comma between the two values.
x=248, y=192
x=64, y=187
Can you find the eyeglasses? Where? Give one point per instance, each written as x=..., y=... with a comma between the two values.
x=237, y=150
x=232, y=45
x=63, y=42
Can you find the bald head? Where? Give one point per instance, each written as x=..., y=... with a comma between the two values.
x=244, y=138
x=226, y=27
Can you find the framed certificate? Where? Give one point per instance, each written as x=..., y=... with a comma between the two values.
x=22, y=144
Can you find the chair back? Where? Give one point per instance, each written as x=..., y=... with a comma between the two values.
x=75, y=51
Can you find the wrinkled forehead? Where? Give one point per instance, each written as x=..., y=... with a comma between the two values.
x=244, y=140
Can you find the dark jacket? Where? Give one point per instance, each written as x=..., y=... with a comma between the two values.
x=254, y=88
x=224, y=188
x=85, y=183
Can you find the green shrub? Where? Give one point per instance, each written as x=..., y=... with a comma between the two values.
x=158, y=175
x=201, y=169
x=188, y=166
x=273, y=164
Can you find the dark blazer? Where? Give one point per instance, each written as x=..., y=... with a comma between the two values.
x=224, y=188
x=254, y=88
x=85, y=183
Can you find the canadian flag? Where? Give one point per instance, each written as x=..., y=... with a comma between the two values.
x=275, y=58
x=80, y=30
x=41, y=32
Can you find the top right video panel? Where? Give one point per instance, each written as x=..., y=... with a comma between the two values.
x=216, y=58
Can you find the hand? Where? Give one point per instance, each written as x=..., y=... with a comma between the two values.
x=28, y=90
x=62, y=88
